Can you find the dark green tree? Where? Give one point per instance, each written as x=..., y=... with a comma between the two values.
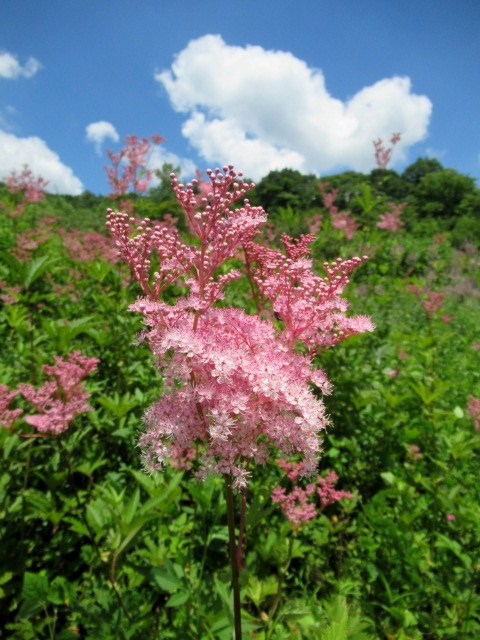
x=287, y=188
x=421, y=167
x=447, y=194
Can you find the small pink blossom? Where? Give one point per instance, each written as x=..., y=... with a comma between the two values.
x=299, y=504
x=390, y=220
x=383, y=154
x=415, y=452
x=450, y=517
x=33, y=188
x=7, y=416
x=433, y=302
x=473, y=408
x=60, y=400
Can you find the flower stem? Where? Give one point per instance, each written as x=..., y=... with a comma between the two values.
x=233, y=558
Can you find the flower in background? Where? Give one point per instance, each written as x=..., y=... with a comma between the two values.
x=28, y=187
x=433, y=303
x=60, y=400
x=7, y=416
x=299, y=505
x=383, y=154
x=390, y=220
x=450, y=517
x=473, y=408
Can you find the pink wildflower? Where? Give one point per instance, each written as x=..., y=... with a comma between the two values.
x=33, y=188
x=299, y=504
x=7, y=416
x=473, y=408
x=327, y=492
x=60, y=400
x=238, y=387
x=450, y=517
x=390, y=220
x=415, y=452
x=433, y=302
x=129, y=166
x=383, y=154
x=345, y=222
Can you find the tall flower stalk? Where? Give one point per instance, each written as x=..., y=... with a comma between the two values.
x=239, y=389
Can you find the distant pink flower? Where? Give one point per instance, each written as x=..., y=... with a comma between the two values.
x=446, y=318
x=402, y=354
x=327, y=492
x=33, y=188
x=383, y=154
x=299, y=504
x=315, y=223
x=129, y=166
x=473, y=408
x=476, y=346
x=7, y=416
x=390, y=220
x=60, y=400
x=392, y=373
x=433, y=302
x=450, y=517
x=415, y=289
x=415, y=452
x=344, y=221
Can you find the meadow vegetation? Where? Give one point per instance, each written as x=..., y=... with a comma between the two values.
x=382, y=542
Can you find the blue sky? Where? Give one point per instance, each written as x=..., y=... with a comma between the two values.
x=262, y=84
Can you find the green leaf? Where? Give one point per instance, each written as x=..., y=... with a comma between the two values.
x=36, y=269
x=179, y=598
x=166, y=578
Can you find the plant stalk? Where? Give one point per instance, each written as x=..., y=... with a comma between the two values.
x=233, y=558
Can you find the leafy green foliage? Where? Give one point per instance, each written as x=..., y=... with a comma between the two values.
x=93, y=547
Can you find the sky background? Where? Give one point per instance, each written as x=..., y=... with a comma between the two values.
x=262, y=85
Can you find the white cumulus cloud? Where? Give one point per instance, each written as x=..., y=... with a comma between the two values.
x=16, y=152
x=11, y=68
x=264, y=110
x=98, y=132
x=160, y=156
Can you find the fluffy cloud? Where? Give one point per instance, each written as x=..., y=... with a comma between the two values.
x=160, y=156
x=15, y=152
x=264, y=110
x=11, y=68
x=98, y=132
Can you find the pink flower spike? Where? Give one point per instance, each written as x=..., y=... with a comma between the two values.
x=60, y=400
x=7, y=416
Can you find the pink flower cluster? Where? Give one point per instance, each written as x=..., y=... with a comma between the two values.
x=342, y=220
x=29, y=188
x=129, y=165
x=85, y=247
x=390, y=220
x=7, y=416
x=383, y=154
x=236, y=385
x=299, y=505
x=33, y=188
x=473, y=408
x=60, y=400
x=433, y=302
